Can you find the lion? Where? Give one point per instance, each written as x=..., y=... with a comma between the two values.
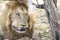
x=16, y=22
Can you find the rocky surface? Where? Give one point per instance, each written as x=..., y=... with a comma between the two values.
x=42, y=29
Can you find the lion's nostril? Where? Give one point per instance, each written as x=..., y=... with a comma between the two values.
x=23, y=25
x=14, y=26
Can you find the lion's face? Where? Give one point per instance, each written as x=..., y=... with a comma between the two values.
x=19, y=19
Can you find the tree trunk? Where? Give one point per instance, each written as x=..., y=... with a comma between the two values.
x=55, y=2
x=50, y=7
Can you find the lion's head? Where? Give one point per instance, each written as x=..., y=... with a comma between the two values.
x=19, y=18
x=18, y=22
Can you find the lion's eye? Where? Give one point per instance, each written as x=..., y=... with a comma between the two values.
x=18, y=14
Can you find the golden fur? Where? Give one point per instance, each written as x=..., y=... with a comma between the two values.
x=6, y=22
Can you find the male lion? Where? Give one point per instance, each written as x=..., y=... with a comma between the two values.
x=16, y=21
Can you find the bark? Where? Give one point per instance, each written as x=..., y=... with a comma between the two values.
x=39, y=6
x=51, y=10
x=55, y=2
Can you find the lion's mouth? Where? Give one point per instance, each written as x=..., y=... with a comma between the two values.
x=20, y=30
